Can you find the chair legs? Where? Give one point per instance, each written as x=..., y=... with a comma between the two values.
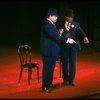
x=21, y=70
x=29, y=75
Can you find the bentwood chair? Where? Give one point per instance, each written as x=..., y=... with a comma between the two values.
x=25, y=56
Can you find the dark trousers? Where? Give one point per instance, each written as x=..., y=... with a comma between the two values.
x=48, y=68
x=69, y=63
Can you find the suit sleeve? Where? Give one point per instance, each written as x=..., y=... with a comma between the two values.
x=80, y=30
x=54, y=33
x=61, y=25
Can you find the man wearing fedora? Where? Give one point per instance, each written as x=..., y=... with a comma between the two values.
x=70, y=29
x=49, y=44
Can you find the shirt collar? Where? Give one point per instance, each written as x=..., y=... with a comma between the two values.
x=50, y=20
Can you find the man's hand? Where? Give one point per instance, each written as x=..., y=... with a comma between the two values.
x=86, y=40
x=70, y=41
x=61, y=31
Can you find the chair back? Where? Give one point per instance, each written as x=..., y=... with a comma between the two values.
x=24, y=52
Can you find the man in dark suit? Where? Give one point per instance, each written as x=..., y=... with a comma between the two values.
x=49, y=42
x=70, y=29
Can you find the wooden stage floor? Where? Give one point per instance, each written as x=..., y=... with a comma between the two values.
x=87, y=77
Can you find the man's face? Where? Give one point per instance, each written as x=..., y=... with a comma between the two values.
x=69, y=19
x=54, y=18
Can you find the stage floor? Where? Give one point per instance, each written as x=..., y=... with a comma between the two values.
x=87, y=77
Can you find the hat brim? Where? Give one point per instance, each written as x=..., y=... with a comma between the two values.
x=53, y=14
x=70, y=15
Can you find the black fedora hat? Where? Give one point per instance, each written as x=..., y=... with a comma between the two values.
x=69, y=13
x=52, y=11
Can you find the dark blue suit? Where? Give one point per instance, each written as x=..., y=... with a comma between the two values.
x=69, y=51
x=50, y=48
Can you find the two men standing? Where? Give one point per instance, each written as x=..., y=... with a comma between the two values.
x=50, y=48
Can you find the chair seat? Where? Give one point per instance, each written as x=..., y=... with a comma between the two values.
x=31, y=65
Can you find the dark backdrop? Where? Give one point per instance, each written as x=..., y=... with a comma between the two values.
x=20, y=21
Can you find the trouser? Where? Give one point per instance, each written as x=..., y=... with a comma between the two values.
x=48, y=68
x=69, y=63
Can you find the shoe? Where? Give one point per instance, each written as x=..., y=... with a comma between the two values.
x=46, y=90
x=64, y=84
x=71, y=83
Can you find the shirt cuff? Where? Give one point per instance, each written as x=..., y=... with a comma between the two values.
x=67, y=40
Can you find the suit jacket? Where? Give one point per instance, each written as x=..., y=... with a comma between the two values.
x=50, y=39
x=75, y=32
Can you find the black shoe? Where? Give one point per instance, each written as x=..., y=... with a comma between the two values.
x=46, y=90
x=64, y=83
x=71, y=83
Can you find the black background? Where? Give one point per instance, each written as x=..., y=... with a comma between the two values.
x=20, y=21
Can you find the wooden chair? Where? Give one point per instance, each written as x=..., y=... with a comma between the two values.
x=25, y=54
